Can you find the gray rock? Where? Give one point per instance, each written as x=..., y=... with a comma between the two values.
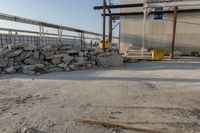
x=48, y=55
x=67, y=59
x=11, y=62
x=29, y=67
x=56, y=61
x=14, y=54
x=73, y=67
x=55, y=69
x=64, y=66
x=81, y=62
x=36, y=55
x=31, y=61
x=89, y=65
x=40, y=65
x=59, y=56
x=110, y=60
x=67, y=69
x=3, y=62
x=72, y=51
x=10, y=70
x=92, y=53
x=42, y=57
x=81, y=54
x=64, y=48
x=45, y=48
x=28, y=72
x=24, y=55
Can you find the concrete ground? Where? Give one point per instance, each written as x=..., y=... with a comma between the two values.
x=163, y=95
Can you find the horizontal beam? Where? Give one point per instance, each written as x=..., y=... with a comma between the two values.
x=36, y=33
x=172, y=4
x=119, y=6
x=154, y=12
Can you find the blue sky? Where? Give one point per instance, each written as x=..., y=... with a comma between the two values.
x=72, y=13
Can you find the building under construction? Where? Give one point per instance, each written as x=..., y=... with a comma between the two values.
x=159, y=28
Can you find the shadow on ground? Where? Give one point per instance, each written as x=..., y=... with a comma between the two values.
x=85, y=75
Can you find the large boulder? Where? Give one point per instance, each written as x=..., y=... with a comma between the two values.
x=24, y=55
x=31, y=61
x=109, y=60
x=14, y=53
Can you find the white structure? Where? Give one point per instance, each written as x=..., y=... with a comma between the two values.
x=159, y=28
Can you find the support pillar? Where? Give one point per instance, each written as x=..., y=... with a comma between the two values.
x=143, y=30
x=104, y=24
x=174, y=32
x=110, y=29
x=42, y=36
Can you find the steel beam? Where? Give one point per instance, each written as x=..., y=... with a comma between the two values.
x=174, y=3
x=119, y=6
x=153, y=12
x=174, y=31
x=104, y=24
x=37, y=33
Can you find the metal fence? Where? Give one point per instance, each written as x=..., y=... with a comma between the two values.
x=6, y=39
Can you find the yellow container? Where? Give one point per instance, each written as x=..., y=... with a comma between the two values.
x=107, y=46
x=157, y=54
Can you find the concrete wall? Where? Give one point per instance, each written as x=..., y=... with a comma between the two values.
x=159, y=32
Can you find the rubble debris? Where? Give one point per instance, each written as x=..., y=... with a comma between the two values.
x=28, y=59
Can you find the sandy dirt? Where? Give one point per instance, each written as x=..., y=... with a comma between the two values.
x=162, y=95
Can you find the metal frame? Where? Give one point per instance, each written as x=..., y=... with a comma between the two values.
x=42, y=25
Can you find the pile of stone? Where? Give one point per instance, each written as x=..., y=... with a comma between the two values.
x=29, y=59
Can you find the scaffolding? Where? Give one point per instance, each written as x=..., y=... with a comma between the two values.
x=147, y=6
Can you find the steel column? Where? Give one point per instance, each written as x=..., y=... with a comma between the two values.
x=174, y=31
x=104, y=24
x=110, y=29
x=143, y=31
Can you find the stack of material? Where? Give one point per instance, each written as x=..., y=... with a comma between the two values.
x=28, y=59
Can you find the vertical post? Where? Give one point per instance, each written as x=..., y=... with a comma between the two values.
x=110, y=29
x=104, y=24
x=110, y=25
x=174, y=31
x=144, y=29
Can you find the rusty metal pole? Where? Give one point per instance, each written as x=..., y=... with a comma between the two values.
x=110, y=29
x=110, y=25
x=104, y=24
x=174, y=31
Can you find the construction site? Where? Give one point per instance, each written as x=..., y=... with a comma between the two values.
x=140, y=74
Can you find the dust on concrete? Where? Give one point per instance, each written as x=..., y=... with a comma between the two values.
x=162, y=95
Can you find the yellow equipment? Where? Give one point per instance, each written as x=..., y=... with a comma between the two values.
x=107, y=45
x=157, y=54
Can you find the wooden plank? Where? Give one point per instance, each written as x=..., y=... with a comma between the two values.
x=119, y=125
